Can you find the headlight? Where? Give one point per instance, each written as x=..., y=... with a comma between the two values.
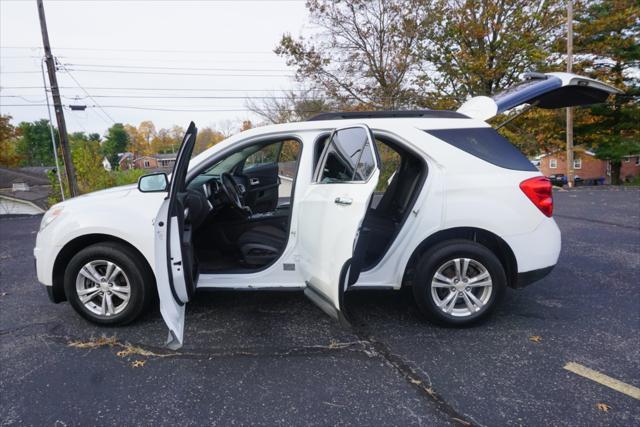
x=50, y=215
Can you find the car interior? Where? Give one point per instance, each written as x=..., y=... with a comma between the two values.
x=402, y=174
x=240, y=207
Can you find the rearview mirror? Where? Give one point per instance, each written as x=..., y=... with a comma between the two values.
x=153, y=183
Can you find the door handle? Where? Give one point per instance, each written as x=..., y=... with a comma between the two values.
x=343, y=201
x=254, y=181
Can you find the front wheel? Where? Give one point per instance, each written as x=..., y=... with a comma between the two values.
x=107, y=284
x=458, y=283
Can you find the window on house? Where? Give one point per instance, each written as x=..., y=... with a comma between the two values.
x=608, y=168
x=638, y=161
x=553, y=163
x=146, y=164
x=577, y=163
x=627, y=159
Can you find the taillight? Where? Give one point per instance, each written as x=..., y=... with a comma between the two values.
x=539, y=191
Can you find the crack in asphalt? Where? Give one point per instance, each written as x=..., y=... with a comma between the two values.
x=597, y=221
x=403, y=367
x=366, y=344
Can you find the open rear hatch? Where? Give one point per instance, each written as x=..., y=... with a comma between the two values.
x=543, y=90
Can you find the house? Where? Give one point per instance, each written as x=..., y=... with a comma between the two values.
x=24, y=190
x=630, y=167
x=155, y=161
x=586, y=166
x=166, y=161
x=106, y=164
x=125, y=161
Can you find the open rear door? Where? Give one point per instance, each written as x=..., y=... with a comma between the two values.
x=176, y=269
x=331, y=214
x=549, y=90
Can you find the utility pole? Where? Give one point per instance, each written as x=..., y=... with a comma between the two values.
x=57, y=104
x=569, y=154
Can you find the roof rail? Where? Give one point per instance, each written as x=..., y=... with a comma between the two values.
x=344, y=115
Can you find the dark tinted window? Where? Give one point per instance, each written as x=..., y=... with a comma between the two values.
x=486, y=144
x=343, y=158
x=365, y=166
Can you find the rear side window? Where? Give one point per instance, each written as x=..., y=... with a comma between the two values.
x=486, y=144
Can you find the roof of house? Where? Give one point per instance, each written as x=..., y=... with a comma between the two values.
x=32, y=176
x=580, y=150
x=167, y=156
x=36, y=195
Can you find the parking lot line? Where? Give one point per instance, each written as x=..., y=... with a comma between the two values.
x=603, y=379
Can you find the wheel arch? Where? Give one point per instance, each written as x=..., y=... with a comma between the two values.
x=490, y=240
x=73, y=247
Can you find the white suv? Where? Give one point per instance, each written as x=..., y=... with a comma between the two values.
x=437, y=200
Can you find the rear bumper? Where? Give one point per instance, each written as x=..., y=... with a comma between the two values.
x=537, y=250
x=529, y=277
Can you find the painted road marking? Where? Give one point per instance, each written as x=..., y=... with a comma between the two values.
x=603, y=379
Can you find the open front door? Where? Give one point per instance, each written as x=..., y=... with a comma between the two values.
x=331, y=214
x=550, y=90
x=176, y=268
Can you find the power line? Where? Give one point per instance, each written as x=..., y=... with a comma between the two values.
x=224, y=52
x=133, y=107
x=180, y=97
x=23, y=98
x=166, y=89
x=85, y=91
x=174, y=1
x=167, y=73
x=152, y=67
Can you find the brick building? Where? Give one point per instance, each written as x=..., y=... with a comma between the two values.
x=586, y=166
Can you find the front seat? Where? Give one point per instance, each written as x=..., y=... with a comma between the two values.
x=262, y=244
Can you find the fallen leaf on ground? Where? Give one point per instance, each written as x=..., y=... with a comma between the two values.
x=138, y=363
x=127, y=349
x=603, y=407
x=535, y=338
x=95, y=343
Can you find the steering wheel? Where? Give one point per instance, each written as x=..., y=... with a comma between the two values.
x=230, y=188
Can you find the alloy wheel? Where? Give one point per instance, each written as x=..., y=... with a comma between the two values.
x=461, y=287
x=103, y=288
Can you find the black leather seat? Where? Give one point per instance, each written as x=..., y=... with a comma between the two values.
x=261, y=244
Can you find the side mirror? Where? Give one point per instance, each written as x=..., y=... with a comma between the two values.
x=153, y=183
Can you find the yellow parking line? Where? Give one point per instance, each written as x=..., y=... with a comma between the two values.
x=603, y=379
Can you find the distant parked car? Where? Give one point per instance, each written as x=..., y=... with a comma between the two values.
x=464, y=216
x=558, y=179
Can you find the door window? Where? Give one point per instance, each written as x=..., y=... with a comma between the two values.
x=348, y=158
x=266, y=155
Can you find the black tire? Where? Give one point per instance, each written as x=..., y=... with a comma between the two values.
x=134, y=267
x=438, y=256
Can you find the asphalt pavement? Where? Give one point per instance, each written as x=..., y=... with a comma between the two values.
x=272, y=358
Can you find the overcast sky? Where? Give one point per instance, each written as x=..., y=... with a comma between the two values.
x=176, y=48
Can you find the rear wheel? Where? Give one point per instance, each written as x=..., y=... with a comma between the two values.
x=458, y=283
x=107, y=284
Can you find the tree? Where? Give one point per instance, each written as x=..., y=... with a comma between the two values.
x=607, y=44
x=34, y=145
x=395, y=54
x=291, y=107
x=479, y=47
x=8, y=140
x=87, y=159
x=116, y=142
x=207, y=138
x=141, y=138
x=367, y=51
x=147, y=131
